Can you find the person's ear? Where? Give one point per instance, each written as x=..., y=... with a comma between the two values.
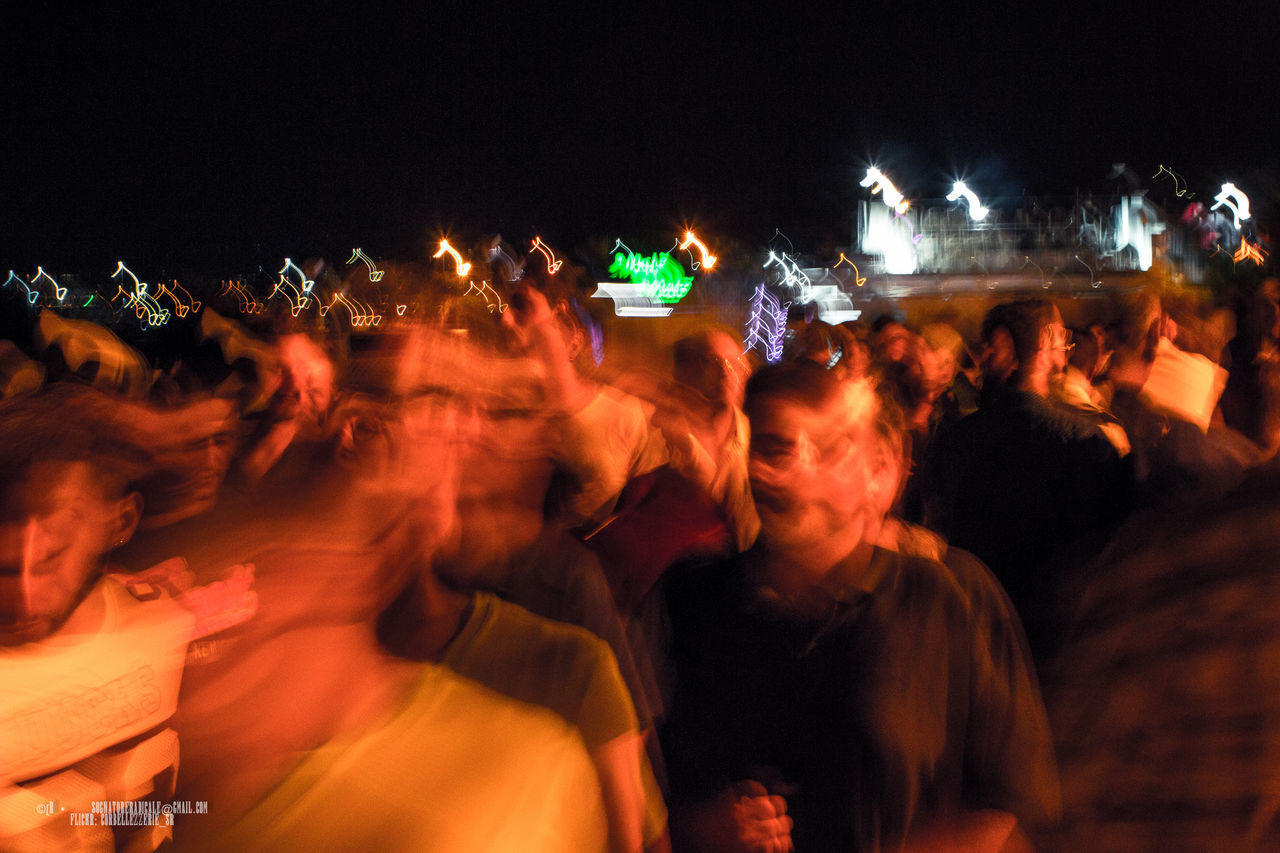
x=128, y=514
x=885, y=476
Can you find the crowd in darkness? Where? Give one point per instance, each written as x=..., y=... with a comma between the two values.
x=453, y=586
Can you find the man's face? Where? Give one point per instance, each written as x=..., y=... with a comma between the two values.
x=716, y=371
x=892, y=342
x=1055, y=344
x=55, y=526
x=306, y=388
x=809, y=469
x=192, y=450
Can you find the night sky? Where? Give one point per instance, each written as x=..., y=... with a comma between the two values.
x=228, y=138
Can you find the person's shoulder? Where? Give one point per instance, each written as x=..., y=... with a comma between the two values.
x=1064, y=422
x=918, y=576
x=522, y=625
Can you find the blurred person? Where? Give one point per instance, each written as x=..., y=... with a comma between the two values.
x=857, y=356
x=531, y=659
x=1163, y=398
x=947, y=347
x=830, y=692
x=919, y=385
x=191, y=446
x=1166, y=700
x=1087, y=361
x=497, y=442
x=706, y=432
x=890, y=339
x=605, y=436
x=18, y=374
x=232, y=361
x=297, y=411
x=90, y=661
x=824, y=344
x=1251, y=400
x=998, y=357
x=504, y=541
x=83, y=351
x=305, y=732
x=697, y=502
x=1025, y=484
x=504, y=545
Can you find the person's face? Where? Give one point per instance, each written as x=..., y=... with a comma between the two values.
x=892, y=342
x=717, y=371
x=1055, y=344
x=306, y=388
x=809, y=469
x=55, y=526
x=508, y=456
x=192, y=452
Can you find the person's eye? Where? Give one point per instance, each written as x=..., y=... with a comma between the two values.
x=774, y=454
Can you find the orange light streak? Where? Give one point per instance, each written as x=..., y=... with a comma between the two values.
x=553, y=266
x=708, y=259
x=463, y=267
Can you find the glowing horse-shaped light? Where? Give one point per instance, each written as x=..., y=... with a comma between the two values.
x=708, y=259
x=462, y=267
x=553, y=266
x=357, y=254
x=880, y=184
x=976, y=211
x=1235, y=201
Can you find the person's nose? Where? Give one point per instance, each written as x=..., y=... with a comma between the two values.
x=22, y=547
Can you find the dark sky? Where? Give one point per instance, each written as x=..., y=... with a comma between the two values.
x=200, y=139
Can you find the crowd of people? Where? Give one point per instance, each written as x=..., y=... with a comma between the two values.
x=452, y=586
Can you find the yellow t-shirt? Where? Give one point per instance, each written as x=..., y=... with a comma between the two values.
x=460, y=768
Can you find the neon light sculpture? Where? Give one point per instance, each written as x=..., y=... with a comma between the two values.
x=483, y=291
x=708, y=259
x=880, y=184
x=246, y=303
x=142, y=302
x=976, y=211
x=59, y=292
x=513, y=270
x=1248, y=252
x=553, y=266
x=659, y=276
x=792, y=275
x=32, y=295
x=1179, y=185
x=357, y=254
x=767, y=326
x=858, y=278
x=630, y=299
x=1235, y=201
x=301, y=295
x=182, y=308
x=462, y=267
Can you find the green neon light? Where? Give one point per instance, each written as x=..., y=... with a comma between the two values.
x=659, y=275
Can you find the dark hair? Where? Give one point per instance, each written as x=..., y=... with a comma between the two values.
x=878, y=324
x=1024, y=319
x=68, y=423
x=804, y=382
x=808, y=384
